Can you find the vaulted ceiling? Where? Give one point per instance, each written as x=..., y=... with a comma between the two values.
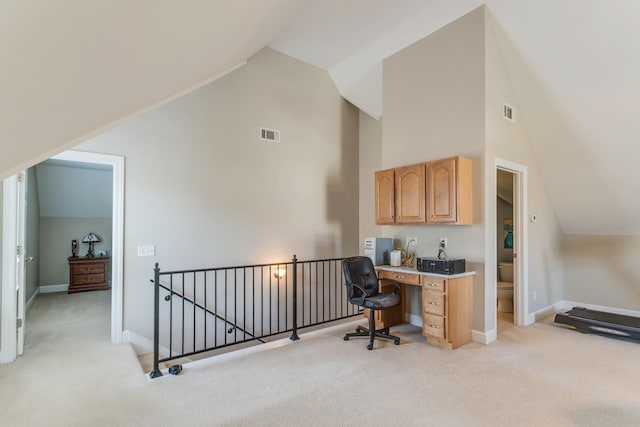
x=72, y=68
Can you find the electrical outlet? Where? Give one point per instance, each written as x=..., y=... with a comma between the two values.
x=535, y=296
x=413, y=241
x=147, y=250
x=443, y=243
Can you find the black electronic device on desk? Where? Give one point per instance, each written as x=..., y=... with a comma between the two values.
x=441, y=266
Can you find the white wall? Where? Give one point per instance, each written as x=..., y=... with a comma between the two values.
x=204, y=190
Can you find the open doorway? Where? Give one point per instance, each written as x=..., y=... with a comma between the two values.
x=117, y=226
x=506, y=239
x=511, y=242
x=12, y=304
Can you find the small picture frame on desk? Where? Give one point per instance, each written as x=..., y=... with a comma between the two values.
x=101, y=252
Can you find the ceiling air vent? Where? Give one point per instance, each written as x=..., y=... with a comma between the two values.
x=271, y=135
x=508, y=112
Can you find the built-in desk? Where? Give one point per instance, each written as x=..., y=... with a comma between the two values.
x=447, y=304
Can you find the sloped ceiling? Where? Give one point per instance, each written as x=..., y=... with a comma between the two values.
x=71, y=68
x=574, y=64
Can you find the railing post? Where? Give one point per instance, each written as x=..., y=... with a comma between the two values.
x=156, y=323
x=294, y=336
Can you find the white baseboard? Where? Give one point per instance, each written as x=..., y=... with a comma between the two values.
x=54, y=288
x=545, y=311
x=31, y=301
x=484, y=337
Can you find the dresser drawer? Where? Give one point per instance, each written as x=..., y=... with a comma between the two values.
x=433, y=283
x=85, y=279
x=434, y=325
x=88, y=269
x=410, y=278
x=434, y=302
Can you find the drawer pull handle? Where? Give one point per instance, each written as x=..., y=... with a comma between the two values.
x=434, y=326
x=437, y=304
x=433, y=285
x=399, y=277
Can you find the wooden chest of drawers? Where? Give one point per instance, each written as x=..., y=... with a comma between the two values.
x=88, y=274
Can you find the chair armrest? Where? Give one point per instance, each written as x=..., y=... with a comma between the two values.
x=363, y=292
x=393, y=282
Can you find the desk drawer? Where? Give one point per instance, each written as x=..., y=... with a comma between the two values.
x=434, y=326
x=412, y=279
x=434, y=302
x=434, y=284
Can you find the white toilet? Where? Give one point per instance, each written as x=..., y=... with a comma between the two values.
x=505, y=287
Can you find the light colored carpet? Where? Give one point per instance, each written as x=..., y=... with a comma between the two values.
x=541, y=375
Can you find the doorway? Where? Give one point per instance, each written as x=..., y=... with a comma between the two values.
x=10, y=302
x=511, y=237
x=505, y=254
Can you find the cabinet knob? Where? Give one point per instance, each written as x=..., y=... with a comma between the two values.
x=437, y=304
x=434, y=326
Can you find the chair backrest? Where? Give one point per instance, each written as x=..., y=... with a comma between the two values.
x=360, y=270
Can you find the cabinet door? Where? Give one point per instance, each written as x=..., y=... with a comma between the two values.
x=443, y=206
x=385, y=211
x=410, y=194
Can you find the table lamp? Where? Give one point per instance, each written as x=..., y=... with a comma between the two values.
x=91, y=238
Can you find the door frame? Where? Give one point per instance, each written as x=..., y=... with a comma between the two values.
x=8, y=347
x=8, y=329
x=521, y=258
x=117, y=234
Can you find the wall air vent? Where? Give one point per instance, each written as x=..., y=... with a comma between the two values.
x=271, y=135
x=508, y=112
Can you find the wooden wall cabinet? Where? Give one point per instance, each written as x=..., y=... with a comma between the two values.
x=88, y=274
x=400, y=195
x=437, y=192
x=449, y=191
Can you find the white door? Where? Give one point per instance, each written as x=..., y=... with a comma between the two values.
x=12, y=325
x=20, y=262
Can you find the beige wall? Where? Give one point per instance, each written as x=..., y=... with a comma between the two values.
x=32, y=269
x=602, y=270
x=434, y=108
x=56, y=235
x=204, y=189
x=1, y=246
x=370, y=160
x=509, y=141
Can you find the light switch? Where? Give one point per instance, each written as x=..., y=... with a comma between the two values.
x=147, y=250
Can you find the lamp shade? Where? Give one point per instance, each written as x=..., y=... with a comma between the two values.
x=91, y=238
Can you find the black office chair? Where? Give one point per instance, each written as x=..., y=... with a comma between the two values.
x=362, y=290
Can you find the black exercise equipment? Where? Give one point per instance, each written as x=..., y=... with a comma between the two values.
x=599, y=322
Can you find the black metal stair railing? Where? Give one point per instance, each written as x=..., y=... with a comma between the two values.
x=208, y=309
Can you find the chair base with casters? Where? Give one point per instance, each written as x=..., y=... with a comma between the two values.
x=362, y=290
x=372, y=332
